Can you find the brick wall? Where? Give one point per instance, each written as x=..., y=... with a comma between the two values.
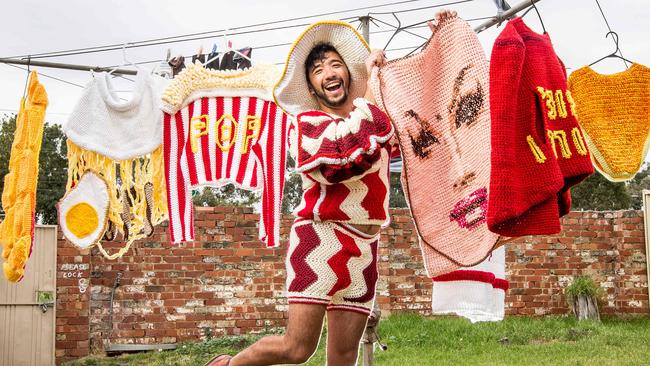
x=228, y=283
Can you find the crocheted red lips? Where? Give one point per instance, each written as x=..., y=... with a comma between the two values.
x=471, y=212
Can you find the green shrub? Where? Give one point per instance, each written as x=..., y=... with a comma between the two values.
x=583, y=286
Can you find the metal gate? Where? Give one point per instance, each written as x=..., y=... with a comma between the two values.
x=27, y=311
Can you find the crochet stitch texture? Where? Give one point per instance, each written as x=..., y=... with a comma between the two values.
x=538, y=151
x=19, y=193
x=614, y=113
x=438, y=102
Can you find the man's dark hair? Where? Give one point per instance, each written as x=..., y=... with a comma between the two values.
x=316, y=54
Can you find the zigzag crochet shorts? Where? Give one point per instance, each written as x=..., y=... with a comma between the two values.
x=332, y=264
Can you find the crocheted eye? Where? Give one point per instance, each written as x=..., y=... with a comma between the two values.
x=425, y=137
x=469, y=106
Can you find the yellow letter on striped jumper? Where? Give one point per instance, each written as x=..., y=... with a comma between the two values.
x=198, y=128
x=252, y=131
x=226, y=132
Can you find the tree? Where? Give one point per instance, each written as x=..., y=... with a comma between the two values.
x=228, y=195
x=599, y=194
x=636, y=186
x=53, y=166
x=397, y=198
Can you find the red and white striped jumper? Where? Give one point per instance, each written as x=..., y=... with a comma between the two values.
x=223, y=127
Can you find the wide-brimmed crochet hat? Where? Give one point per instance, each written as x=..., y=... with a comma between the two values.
x=292, y=91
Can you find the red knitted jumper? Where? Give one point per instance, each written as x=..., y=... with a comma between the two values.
x=538, y=151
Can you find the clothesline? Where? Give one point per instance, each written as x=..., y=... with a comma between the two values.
x=31, y=62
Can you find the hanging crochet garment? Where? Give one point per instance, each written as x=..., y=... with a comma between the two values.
x=614, y=113
x=223, y=127
x=19, y=194
x=121, y=141
x=438, y=101
x=476, y=293
x=538, y=151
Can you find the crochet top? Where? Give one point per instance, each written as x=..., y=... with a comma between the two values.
x=223, y=127
x=614, y=113
x=115, y=128
x=19, y=192
x=437, y=101
x=344, y=164
x=538, y=150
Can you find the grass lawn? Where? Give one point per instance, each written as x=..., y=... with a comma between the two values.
x=416, y=340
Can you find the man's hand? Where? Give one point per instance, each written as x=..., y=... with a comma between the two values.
x=441, y=16
x=376, y=58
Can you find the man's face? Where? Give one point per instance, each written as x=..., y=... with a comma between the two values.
x=329, y=80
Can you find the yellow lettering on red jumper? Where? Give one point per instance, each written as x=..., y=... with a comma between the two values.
x=560, y=104
x=537, y=152
x=578, y=141
x=560, y=137
x=547, y=96
x=572, y=103
x=200, y=124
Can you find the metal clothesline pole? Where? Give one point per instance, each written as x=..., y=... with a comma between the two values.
x=506, y=15
x=57, y=65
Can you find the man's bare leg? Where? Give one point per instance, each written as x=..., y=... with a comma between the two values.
x=304, y=328
x=344, y=331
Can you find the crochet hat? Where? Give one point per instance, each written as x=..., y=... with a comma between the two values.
x=291, y=93
x=438, y=101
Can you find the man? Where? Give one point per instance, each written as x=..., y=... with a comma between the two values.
x=341, y=144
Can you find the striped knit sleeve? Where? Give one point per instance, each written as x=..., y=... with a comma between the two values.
x=272, y=152
x=179, y=198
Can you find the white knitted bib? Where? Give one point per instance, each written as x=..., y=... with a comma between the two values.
x=121, y=130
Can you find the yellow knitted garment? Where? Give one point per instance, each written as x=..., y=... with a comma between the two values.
x=138, y=200
x=19, y=194
x=614, y=113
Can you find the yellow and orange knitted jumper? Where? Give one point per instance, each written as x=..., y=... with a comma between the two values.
x=614, y=113
x=19, y=194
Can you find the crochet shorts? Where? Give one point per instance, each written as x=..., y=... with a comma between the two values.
x=332, y=264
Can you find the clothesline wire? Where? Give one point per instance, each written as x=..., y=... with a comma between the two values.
x=610, y=29
x=213, y=33
x=417, y=25
x=422, y=8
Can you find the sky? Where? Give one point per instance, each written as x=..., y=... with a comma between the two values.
x=576, y=27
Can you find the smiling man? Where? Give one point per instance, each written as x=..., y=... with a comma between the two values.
x=340, y=142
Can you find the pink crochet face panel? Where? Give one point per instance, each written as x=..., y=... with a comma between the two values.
x=438, y=101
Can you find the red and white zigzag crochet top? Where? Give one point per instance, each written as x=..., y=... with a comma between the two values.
x=344, y=164
x=223, y=127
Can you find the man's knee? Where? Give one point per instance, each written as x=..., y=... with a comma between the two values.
x=300, y=350
x=344, y=355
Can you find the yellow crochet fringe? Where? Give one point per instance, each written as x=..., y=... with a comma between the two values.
x=131, y=203
x=19, y=195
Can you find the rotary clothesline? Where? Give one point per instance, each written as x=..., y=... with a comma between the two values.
x=29, y=61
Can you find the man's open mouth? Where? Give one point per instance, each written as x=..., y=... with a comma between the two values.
x=471, y=211
x=334, y=87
